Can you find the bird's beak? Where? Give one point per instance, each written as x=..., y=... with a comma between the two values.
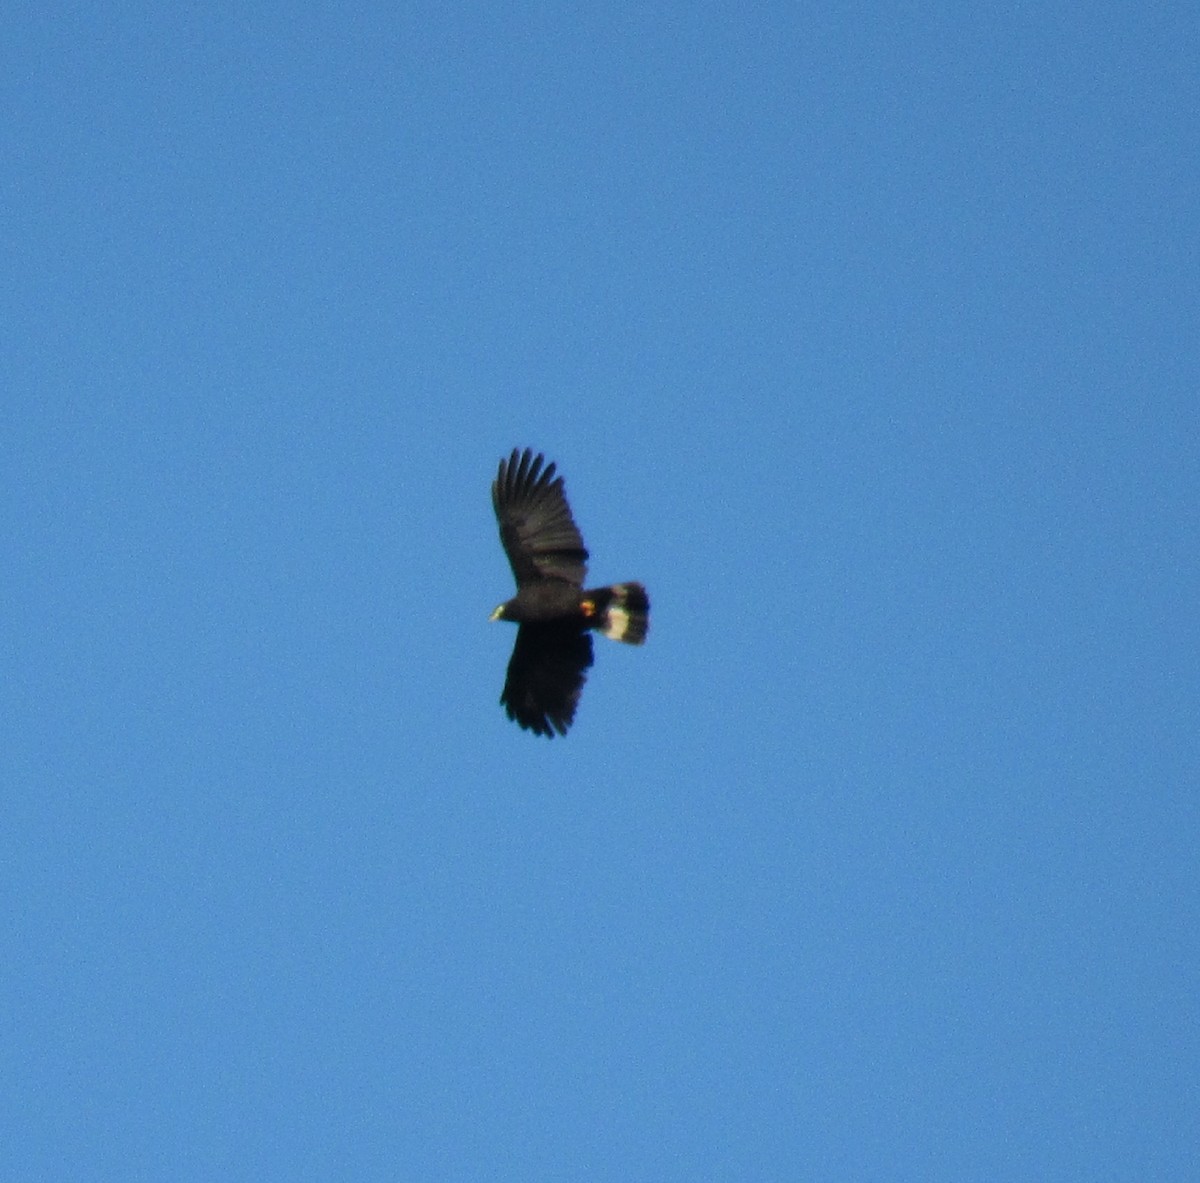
x=497, y=614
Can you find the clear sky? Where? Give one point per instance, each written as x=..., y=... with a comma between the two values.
x=866, y=336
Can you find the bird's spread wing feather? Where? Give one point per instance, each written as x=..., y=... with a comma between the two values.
x=545, y=676
x=537, y=530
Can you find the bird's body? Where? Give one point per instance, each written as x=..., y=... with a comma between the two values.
x=549, y=562
x=548, y=599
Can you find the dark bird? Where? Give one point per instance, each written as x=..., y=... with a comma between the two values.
x=556, y=616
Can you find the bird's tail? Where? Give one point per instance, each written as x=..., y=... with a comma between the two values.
x=622, y=612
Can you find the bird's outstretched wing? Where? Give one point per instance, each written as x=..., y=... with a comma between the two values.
x=545, y=676
x=537, y=530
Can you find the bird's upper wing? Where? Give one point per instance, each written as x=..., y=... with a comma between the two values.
x=545, y=676
x=539, y=535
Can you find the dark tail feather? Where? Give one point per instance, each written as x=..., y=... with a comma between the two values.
x=623, y=612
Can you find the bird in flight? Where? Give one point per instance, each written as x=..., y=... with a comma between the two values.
x=556, y=617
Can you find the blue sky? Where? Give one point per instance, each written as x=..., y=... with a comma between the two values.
x=866, y=338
